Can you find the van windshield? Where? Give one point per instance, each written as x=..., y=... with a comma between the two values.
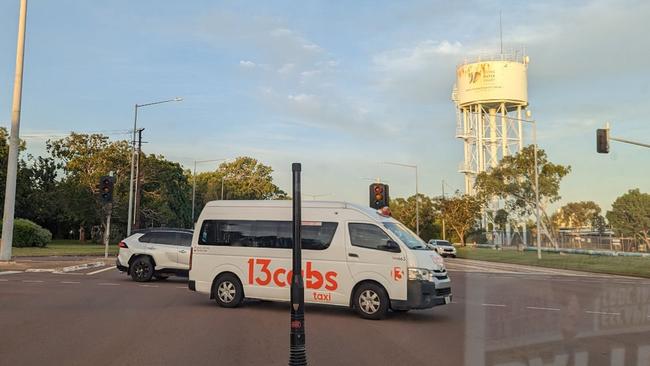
x=405, y=235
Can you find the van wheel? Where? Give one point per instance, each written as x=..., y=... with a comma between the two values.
x=371, y=301
x=228, y=291
x=142, y=269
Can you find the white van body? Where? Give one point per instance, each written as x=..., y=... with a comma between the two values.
x=233, y=237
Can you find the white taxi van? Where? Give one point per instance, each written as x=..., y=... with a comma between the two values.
x=352, y=256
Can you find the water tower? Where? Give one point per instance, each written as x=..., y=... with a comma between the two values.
x=490, y=95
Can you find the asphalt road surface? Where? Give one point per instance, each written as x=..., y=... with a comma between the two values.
x=501, y=315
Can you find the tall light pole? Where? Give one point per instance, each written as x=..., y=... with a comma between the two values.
x=537, y=208
x=194, y=182
x=417, y=194
x=133, y=157
x=12, y=161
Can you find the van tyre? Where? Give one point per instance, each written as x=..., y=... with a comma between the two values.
x=371, y=301
x=142, y=269
x=228, y=291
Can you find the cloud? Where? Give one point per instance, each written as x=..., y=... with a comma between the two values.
x=247, y=64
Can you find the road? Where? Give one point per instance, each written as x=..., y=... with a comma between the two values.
x=501, y=315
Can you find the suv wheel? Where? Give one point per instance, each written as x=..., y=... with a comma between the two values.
x=142, y=269
x=228, y=291
x=371, y=301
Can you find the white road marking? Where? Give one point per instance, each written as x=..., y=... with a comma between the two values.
x=542, y=308
x=33, y=281
x=4, y=280
x=101, y=270
x=498, y=305
x=148, y=285
x=10, y=272
x=601, y=313
x=70, y=282
x=108, y=284
x=185, y=287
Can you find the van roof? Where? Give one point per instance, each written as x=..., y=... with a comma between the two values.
x=288, y=203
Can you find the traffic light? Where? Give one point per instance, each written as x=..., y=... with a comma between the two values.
x=106, y=184
x=602, y=140
x=378, y=195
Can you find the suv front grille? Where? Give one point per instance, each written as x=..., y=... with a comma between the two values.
x=443, y=291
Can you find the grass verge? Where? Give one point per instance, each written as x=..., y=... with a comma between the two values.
x=626, y=266
x=65, y=247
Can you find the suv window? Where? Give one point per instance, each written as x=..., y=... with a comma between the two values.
x=165, y=238
x=368, y=236
x=265, y=234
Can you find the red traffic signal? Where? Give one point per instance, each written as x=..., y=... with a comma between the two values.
x=378, y=195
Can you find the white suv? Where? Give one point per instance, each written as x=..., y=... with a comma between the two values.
x=443, y=247
x=155, y=253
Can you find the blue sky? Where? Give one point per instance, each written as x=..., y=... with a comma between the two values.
x=338, y=86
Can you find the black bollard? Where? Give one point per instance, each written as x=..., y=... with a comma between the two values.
x=298, y=354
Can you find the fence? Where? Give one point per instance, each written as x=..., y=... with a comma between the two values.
x=564, y=240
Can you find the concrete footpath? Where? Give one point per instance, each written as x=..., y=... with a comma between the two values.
x=55, y=264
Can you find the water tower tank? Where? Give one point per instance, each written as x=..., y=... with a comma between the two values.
x=490, y=94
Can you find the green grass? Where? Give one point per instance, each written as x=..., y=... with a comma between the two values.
x=627, y=266
x=65, y=247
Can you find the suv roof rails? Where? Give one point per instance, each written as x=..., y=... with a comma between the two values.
x=154, y=229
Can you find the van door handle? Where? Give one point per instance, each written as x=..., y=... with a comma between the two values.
x=355, y=255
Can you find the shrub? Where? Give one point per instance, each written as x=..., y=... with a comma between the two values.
x=30, y=234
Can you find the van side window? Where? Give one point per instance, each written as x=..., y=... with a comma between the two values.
x=265, y=234
x=367, y=236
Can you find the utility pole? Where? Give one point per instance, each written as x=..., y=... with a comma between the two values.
x=14, y=141
x=138, y=182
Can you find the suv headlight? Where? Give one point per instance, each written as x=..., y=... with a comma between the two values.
x=420, y=274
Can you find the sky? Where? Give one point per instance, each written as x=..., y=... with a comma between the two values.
x=339, y=86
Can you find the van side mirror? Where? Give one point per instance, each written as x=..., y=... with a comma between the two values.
x=391, y=246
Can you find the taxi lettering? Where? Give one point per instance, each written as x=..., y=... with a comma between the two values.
x=260, y=274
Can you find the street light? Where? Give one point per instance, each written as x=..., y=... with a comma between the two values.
x=417, y=194
x=12, y=159
x=194, y=182
x=133, y=157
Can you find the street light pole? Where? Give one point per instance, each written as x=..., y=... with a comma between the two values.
x=129, y=219
x=417, y=194
x=539, y=241
x=443, y=217
x=12, y=160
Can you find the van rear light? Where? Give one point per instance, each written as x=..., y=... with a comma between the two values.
x=122, y=245
x=191, y=252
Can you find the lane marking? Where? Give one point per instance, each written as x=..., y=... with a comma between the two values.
x=10, y=272
x=108, y=284
x=542, y=308
x=185, y=287
x=101, y=270
x=70, y=282
x=33, y=281
x=601, y=313
x=497, y=305
x=3, y=280
x=148, y=285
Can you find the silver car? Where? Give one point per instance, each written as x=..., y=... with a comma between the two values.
x=443, y=247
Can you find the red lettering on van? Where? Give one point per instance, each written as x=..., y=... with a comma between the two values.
x=259, y=273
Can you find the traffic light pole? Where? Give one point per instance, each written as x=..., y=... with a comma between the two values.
x=107, y=233
x=297, y=352
x=629, y=142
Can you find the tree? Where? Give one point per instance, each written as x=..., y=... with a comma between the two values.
x=577, y=214
x=513, y=181
x=630, y=215
x=166, y=193
x=243, y=179
x=403, y=210
x=461, y=213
